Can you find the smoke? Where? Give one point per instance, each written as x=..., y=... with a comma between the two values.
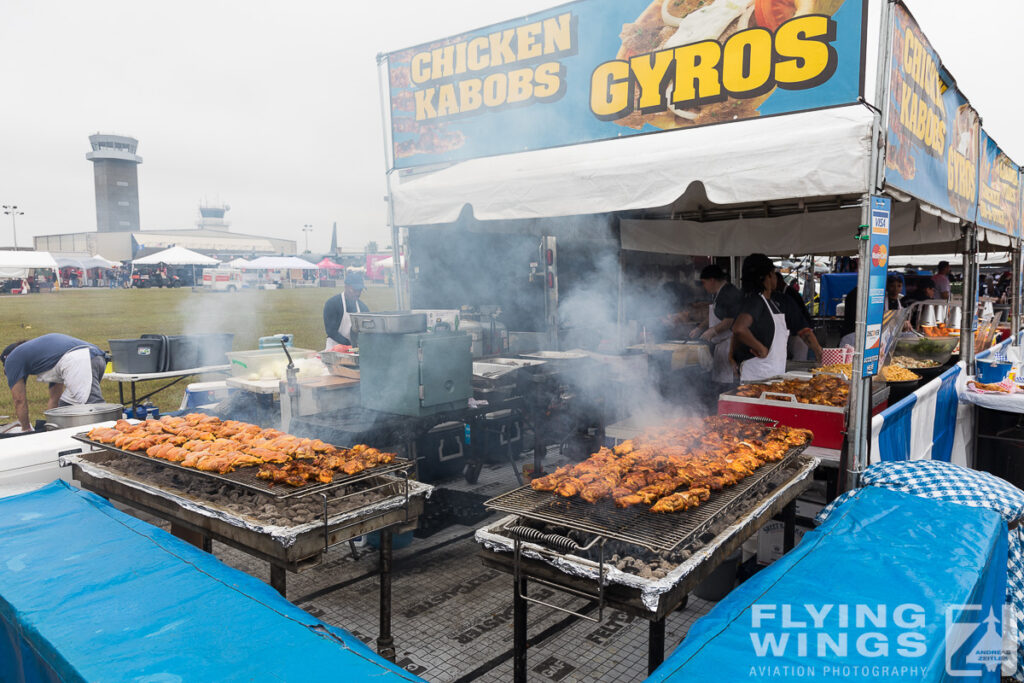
x=501, y=264
x=630, y=372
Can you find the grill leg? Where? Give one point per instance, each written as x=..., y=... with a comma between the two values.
x=789, y=528
x=655, y=645
x=385, y=643
x=519, y=631
x=278, y=579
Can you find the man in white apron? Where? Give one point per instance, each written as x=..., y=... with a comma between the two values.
x=760, y=332
x=337, y=310
x=722, y=312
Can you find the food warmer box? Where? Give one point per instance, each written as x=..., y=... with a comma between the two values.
x=827, y=422
x=407, y=370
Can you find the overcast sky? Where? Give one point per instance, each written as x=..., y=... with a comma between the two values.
x=274, y=108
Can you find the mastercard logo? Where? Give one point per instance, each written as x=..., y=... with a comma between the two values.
x=880, y=256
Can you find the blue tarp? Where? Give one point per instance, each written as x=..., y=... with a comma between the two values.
x=88, y=593
x=834, y=288
x=898, y=561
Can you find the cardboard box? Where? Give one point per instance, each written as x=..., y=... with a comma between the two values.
x=770, y=538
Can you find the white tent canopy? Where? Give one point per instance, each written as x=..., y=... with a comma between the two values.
x=812, y=154
x=280, y=263
x=82, y=260
x=237, y=263
x=176, y=256
x=992, y=259
x=15, y=264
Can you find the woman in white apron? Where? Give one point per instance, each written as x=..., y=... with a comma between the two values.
x=338, y=309
x=760, y=330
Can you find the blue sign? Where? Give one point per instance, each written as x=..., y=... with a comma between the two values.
x=881, y=214
x=602, y=69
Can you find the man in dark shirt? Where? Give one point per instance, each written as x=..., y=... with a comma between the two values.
x=72, y=367
x=337, y=321
x=798, y=321
x=725, y=306
x=726, y=300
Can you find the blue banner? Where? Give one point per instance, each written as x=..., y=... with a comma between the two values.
x=601, y=69
x=998, y=189
x=933, y=131
x=881, y=214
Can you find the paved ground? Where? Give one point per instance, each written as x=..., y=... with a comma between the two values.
x=452, y=616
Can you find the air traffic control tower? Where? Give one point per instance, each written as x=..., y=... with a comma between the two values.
x=115, y=167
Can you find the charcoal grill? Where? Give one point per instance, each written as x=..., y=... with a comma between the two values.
x=245, y=477
x=637, y=525
x=552, y=558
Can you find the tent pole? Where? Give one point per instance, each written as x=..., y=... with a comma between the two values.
x=401, y=298
x=969, y=310
x=858, y=449
x=859, y=427
x=1015, y=294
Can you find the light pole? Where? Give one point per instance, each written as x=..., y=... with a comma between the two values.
x=12, y=211
x=307, y=228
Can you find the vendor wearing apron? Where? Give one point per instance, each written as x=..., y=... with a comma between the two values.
x=759, y=333
x=337, y=321
x=725, y=306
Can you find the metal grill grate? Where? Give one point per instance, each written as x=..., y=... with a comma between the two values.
x=637, y=525
x=245, y=477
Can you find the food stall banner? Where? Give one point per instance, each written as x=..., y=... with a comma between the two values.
x=933, y=131
x=600, y=69
x=998, y=189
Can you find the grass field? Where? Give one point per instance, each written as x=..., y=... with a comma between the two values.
x=97, y=315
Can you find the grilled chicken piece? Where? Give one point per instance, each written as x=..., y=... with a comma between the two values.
x=103, y=434
x=569, y=487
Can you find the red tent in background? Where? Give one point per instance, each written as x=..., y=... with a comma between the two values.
x=327, y=264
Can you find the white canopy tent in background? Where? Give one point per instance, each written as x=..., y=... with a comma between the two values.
x=17, y=264
x=280, y=263
x=176, y=256
x=82, y=260
x=996, y=258
x=240, y=263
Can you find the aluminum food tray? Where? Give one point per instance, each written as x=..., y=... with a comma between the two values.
x=637, y=525
x=245, y=477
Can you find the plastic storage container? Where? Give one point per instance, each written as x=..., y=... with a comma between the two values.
x=990, y=373
x=180, y=351
x=264, y=363
x=214, y=347
x=502, y=436
x=137, y=356
x=440, y=453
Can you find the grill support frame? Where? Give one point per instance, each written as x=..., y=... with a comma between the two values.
x=305, y=554
x=783, y=502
